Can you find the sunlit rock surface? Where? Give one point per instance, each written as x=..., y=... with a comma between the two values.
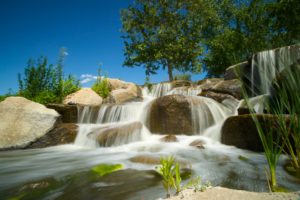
x=85, y=96
x=23, y=121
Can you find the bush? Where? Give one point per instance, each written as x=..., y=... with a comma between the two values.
x=101, y=87
x=44, y=83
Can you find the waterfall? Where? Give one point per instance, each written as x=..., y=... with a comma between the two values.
x=187, y=91
x=266, y=65
x=160, y=89
x=206, y=113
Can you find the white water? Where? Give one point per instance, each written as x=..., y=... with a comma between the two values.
x=217, y=163
x=267, y=64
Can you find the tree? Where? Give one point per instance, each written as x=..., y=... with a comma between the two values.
x=242, y=28
x=162, y=33
x=44, y=83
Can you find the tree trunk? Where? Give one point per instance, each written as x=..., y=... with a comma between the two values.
x=170, y=72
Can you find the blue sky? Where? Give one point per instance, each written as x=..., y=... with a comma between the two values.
x=88, y=29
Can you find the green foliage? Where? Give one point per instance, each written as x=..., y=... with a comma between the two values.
x=101, y=86
x=104, y=169
x=70, y=85
x=167, y=171
x=241, y=28
x=171, y=174
x=45, y=83
x=186, y=77
x=162, y=34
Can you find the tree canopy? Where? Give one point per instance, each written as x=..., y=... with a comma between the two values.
x=187, y=34
x=162, y=33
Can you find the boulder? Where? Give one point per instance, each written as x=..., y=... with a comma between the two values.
x=241, y=131
x=219, y=97
x=169, y=138
x=233, y=72
x=198, y=143
x=68, y=112
x=63, y=133
x=115, y=135
x=130, y=92
x=115, y=84
x=232, y=87
x=180, y=83
x=24, y=121
x=85, y=96
x=170, y=114
x=208, y=83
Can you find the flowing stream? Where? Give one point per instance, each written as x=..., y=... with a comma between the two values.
x=64, y=172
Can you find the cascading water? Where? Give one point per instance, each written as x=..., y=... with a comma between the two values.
x=158, y=90
x=116, y=134
x=266, y=65
x=187, y=91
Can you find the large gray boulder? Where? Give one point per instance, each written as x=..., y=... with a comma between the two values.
x=24, y=121
x=85, y=96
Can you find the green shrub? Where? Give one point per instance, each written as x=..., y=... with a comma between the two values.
x=70, y=85
x=46, y=97
x=101, y=87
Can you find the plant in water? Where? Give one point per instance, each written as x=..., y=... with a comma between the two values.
x=104, y=169
x=167, y=171
x=170, y=172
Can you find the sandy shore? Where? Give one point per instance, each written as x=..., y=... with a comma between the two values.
x=219, y=193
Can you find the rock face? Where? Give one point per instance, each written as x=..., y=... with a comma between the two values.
x=208, y=83
x=232, y=87
x=118, y=135
x=170, y=115
x=181, y=83
x=63, y=133
x=23, y=121
x=68, y=112
x=219, y=97
x=128, y=93
x=85, y=96
x=241, y=130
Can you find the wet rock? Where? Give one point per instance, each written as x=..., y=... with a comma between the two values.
x=198, y=143
x=85, y=97
x=241, y=131
x=181, y=83
x=170, y=114
x=232, y=87
x=208, y=83
x=63, y=133
x=24, y=121
x=169, y=138
x=219, y=97
x=118, y=134
x=68, y=112
x=146, y=159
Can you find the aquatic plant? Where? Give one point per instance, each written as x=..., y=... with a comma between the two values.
x=167, y=171
x=104, y=169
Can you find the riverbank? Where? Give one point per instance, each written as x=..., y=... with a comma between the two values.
x=220, y=193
